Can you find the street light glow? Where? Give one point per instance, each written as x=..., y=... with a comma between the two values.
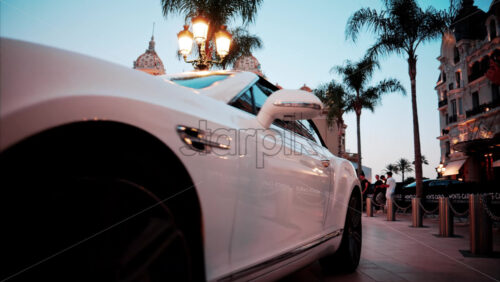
x=200, y=29
x=223, y=41
x=185, y=38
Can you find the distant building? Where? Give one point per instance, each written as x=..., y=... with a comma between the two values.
x=469, y=100
x=306, y=88
x=149, y=61
x=248, y=63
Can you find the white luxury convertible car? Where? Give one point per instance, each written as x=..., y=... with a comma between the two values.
x=111, y=174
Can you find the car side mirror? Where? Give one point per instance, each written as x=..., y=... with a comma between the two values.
x=287, y=105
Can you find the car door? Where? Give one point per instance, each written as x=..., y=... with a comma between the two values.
x=284, y=193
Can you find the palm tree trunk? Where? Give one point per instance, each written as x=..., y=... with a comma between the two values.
x=358, y=117
x=403, y=176
x=339, y=127
x=412, y=64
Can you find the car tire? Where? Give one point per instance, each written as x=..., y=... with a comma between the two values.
x=347, y=257
x=82, y=216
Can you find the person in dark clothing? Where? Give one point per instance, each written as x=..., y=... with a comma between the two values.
x=379, y=191
x=364, y=185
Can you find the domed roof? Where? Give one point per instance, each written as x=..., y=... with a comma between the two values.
x=469, y=23
x=149, y=61
x=248, y=63
x=306, y=88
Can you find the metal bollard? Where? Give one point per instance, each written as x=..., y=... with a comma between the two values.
x=369, y=207
x=416, y=212
x=445, y=218
x=391, y=211
x=481, y=230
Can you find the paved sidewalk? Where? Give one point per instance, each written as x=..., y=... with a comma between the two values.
x=394, y=251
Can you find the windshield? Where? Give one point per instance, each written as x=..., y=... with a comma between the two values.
x=414, y=184
x=200, y=81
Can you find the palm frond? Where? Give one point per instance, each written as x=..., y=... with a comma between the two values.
x=365, y=17
x=334, y=97
x=404, y=165
x=217, y=11
x=243, y=44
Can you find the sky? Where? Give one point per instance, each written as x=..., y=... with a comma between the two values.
x=302, y=40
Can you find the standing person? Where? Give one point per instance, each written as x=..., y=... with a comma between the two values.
x=380, y=196
x=377, y=189
x=391, y=186
x=364, y=185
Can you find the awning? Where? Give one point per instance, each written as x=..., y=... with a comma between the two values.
x=496, y=163
x=452, y=168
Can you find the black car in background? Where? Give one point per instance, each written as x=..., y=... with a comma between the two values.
x=457, y=191
x=428, y=184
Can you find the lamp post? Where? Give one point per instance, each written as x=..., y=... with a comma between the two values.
x=440, y=170
x=199, y=35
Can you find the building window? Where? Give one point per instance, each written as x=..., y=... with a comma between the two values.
x=460, y=107
x=493, y=29
x=485, y=64
x=495, y=93
x=447, y=148
x=475, y=100
x=451, y=86
x=447, y=119
x=444, y=77
x=453, y=107
x=456, y=58
x=457, y=79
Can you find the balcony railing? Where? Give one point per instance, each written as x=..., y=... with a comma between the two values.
x=443, y=102
x=482, y=108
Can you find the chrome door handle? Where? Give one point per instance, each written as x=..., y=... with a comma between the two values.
x=325, y=163
x=196, y=140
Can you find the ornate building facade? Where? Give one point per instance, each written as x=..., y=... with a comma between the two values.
x=248, y=63
x=149, y=61
x=468, y=97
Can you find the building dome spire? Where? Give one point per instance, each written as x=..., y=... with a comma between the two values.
x=152, y=41
x=149, y=61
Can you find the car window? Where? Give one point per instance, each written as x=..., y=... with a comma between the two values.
x=310, y=132
x=413, y=184
x=252, y=100
x=260, y=96
x=200, y=81
x=244, y=102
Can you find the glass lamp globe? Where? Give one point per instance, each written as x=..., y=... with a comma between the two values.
x=200, y=28
x=185, y=38
x=223, y=41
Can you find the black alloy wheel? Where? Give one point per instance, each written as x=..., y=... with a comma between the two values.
x=347, y=257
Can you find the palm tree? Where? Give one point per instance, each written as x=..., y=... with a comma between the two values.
x=400, y=29
x=334, y=98
x=403, y=166
x=218, y=12
x=243, y=44
x=424, y=161
x=392, y=168
x=359, y=96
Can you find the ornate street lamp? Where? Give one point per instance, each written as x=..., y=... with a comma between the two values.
x=199, y=35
